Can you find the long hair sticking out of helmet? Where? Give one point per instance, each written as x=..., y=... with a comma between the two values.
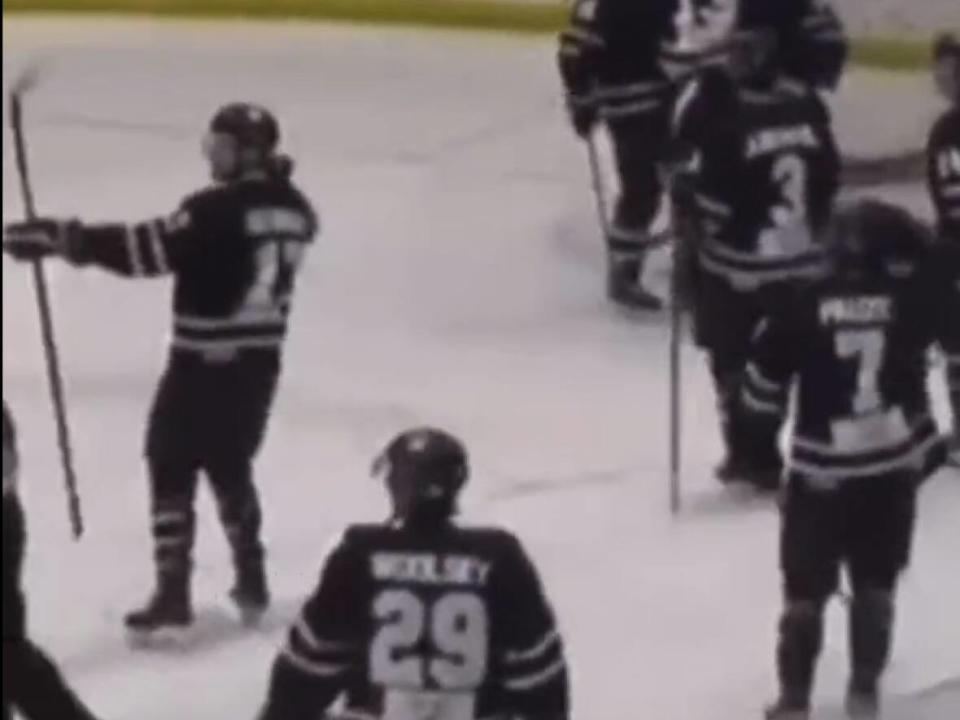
x=424, y=470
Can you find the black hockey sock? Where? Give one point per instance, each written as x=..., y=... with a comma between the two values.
x=871, y=635
x=239, y=506
x=801, y=638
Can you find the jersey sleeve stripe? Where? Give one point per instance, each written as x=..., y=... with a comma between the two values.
x=313, y=642
x=312, y=667
x=537, y=679
x=538, y=649
x=133, y=251
x=155, y=230
x=760, y=406
x=756, y=377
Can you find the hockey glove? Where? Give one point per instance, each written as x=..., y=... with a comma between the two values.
x=40, y=238
x=583, y=115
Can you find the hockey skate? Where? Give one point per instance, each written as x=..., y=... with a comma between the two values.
x=785, y=709
x=863, y=701
x=167, y=616
x=250, y=594
x=625, y=289
x=953, y=451
x=733, y=471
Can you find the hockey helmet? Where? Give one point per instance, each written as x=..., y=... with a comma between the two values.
x=424, y=469
x=875, y=238
x=946, y=66
x=752, y=55
x=241, y=137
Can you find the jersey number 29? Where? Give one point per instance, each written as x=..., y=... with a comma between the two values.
x=453, y=630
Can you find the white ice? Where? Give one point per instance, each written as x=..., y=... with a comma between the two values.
x=457, y=282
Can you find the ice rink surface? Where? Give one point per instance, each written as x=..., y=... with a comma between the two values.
x=456, y=282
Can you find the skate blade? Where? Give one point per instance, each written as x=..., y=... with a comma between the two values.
x=165, y=638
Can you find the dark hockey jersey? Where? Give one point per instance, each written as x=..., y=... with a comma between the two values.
x=943, y=172
x=761, y=171
x=623, y=54
x=233, y=250
x=451, y=626
x=858, y=351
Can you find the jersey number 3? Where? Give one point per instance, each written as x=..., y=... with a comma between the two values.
x=441, y=644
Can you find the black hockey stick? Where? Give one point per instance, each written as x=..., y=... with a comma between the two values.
x=22, y=86
x=676, y=373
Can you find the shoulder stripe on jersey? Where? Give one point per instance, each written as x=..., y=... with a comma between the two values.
x=538, y=649
x=312, y=667
x=535, y=680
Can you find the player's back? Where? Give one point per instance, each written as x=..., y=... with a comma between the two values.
x=767, y=172
x=235, y=279
x=861, y=357
x=450, y=624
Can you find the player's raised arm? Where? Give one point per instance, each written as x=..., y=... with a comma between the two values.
x=323, y=646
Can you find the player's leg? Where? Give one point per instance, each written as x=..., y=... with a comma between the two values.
x=172, y=463
x=809, y=559
x=953, y=383
x=638, y=147
x=880, y=516
x=246, y=396
x=34, y=687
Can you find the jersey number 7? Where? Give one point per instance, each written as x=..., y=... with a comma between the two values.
x=454, y=629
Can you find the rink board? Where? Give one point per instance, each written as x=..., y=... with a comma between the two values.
x=881, y=50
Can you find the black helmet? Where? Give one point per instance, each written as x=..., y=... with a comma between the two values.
x=425, y=469
x=946, y=63
x=873, y=237
x=753, y=55
x=252, y=126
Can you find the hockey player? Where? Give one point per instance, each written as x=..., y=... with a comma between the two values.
x=855, y=346
x=757, y=171
x=234, y=250
x=943, y=158
x=622, y=60
x=419, y=617
x=32, y=685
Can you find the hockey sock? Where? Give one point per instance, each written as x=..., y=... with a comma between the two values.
x=871, y=634
x=801, y=639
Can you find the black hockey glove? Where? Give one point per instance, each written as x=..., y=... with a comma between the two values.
x=40, y=238
x=583, y=115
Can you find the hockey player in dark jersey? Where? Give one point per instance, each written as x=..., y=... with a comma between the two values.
x=756, y=173
x=32, y=685
x=622, y=60
x=234, y=250
x=943, y=162
x=854, y=347
x=420, y=617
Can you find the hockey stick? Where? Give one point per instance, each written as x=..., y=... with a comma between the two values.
x=22, y=86
x=676, y=388
x=596, y=182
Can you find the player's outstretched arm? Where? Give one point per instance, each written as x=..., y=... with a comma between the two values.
x=149, y=248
